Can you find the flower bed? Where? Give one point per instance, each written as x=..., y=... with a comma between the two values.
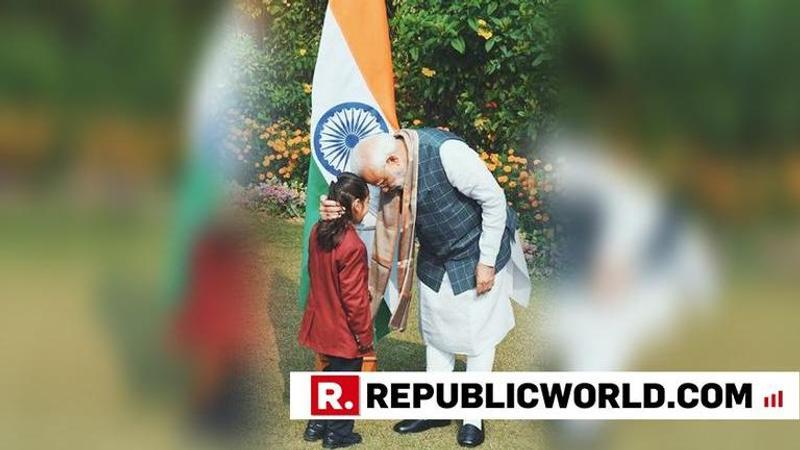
x=272, y=197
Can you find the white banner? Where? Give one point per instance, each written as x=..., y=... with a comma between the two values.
x=546, y=395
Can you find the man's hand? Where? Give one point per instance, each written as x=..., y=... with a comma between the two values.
x=484, y=278
x=329, y=209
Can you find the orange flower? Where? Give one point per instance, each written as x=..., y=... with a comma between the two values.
x=502, y=179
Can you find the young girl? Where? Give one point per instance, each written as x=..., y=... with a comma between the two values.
x=337, y=322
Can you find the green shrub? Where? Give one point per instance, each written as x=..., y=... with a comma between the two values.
x=479, y=67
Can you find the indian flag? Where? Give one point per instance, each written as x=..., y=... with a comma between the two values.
x=352, y=98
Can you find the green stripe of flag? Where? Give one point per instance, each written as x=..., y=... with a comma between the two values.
x=315, y=188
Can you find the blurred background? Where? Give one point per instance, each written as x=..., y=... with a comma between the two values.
x=652, y=150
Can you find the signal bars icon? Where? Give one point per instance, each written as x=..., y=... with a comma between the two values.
x=770, y=400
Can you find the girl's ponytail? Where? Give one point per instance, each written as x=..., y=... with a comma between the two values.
x=344, y=190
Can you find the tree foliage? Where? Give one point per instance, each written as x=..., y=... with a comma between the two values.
x=477, y=67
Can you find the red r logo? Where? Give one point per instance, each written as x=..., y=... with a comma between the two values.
x=334, y=395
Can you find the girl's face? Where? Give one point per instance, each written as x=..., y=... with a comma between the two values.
x=360, y=209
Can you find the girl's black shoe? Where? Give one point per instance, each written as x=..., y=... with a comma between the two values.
x=314, y=431
x=333, y=440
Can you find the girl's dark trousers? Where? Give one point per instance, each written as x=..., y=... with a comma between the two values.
x=336, y=364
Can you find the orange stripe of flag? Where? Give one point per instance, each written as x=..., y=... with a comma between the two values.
x=366, y=31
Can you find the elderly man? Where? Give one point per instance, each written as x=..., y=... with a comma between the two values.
x=470, y=263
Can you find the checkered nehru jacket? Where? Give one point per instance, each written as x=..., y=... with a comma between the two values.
x=449, y=223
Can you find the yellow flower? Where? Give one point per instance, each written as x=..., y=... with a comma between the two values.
x=416, y=122
x=512, y=184
x=302, y=52
x=483, y=30
x=502, y=179
x=491, y=167
x=511, y=151
x=507, y=169
x=261, y=176
x=306, y=88
x=428, y=72
x=270, y=174
x=484, y=156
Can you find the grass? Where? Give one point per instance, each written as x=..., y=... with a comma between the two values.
x=84, y=366
x=751, y=330
x=397, y=352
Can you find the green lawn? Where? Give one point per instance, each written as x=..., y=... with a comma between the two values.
x=84, y=365
x=399, y=351
x=752, y=329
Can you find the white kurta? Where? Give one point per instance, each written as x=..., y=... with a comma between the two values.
x=468, y=323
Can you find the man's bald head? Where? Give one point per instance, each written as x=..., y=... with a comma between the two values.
x=380, y=159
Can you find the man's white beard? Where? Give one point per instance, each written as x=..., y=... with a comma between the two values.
x=399, y=180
